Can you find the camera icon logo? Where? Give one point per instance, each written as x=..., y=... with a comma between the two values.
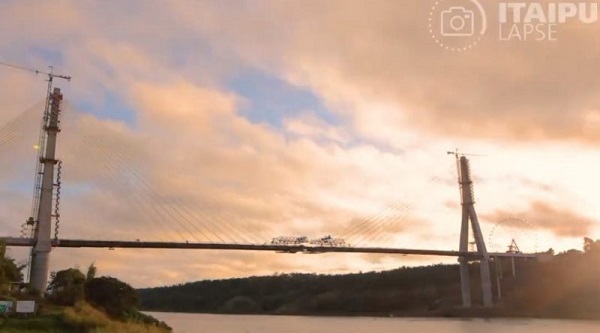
x=457, y=25
x=457, y=22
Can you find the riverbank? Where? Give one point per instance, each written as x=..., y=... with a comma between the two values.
x=81, y=318
x=564, y=285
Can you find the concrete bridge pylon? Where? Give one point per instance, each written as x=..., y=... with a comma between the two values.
x=469, y=217
x=43, y=200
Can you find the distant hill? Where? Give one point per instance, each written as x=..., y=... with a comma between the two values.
x=566, y=286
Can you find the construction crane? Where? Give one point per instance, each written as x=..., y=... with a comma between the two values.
x=458, y=154
x=50, y=74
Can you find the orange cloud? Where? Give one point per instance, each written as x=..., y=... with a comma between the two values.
x=377, y=64
x=560, y=220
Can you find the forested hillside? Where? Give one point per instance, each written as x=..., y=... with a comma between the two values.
x=565, y=286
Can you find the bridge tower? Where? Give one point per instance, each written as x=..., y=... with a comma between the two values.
x=41, y=219
x=470, y=215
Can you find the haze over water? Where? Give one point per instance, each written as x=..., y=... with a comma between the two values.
x=207, y=323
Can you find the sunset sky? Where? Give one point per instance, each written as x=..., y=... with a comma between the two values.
x=248, y=120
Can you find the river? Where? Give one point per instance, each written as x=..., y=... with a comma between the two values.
x=205, y=323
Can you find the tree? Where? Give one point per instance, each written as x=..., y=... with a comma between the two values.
x=91, y=272
x=9, y=271
x=116, y=297
x=66, y=287
x=590, y=245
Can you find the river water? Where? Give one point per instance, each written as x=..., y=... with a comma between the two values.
x=205, y=323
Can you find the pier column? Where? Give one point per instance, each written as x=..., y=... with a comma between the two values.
x=469, y=214
x=43, y=224
x=465, y=279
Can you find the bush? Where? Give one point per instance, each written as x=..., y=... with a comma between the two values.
x=66, y=287
x=9, y=272
x=116, y=297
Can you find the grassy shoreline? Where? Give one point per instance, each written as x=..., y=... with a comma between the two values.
x=81, y=318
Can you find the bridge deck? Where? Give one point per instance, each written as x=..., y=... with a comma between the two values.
x=111, y=244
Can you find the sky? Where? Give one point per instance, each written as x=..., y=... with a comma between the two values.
x=240, y=121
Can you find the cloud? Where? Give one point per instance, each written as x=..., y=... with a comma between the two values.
x=310, y=126
x=374, y=64
x=553, y=217
x=379, y=66
x=221, y=162
x=28, y=94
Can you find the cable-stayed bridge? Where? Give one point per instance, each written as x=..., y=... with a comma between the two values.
x=178, y=219
x=111, y=244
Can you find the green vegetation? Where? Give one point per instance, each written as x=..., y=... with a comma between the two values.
x=75, y=303
x=9, y=272
x=563, y=285
x=117, y=298
x=66, y=287
x=81, y=318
